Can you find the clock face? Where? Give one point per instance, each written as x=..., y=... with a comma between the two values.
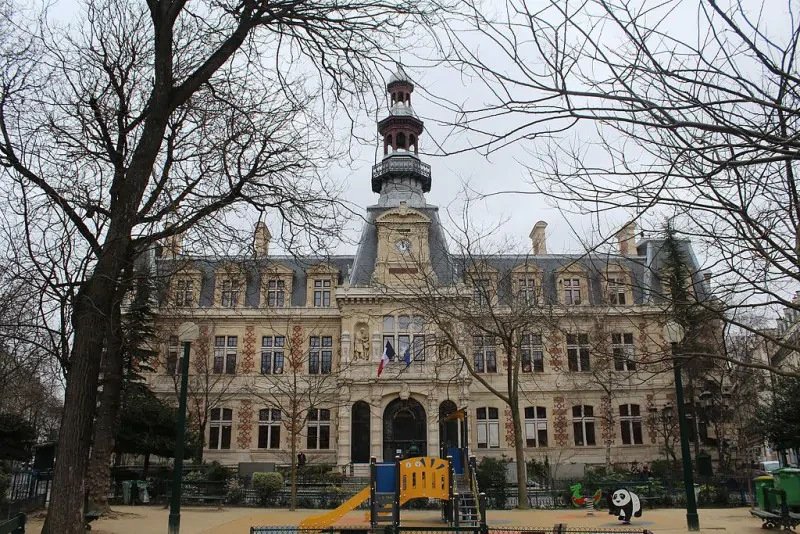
x=403, y=246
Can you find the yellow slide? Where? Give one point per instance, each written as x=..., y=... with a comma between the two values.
x=328, y=518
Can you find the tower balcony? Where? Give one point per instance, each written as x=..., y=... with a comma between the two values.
x=401, y=166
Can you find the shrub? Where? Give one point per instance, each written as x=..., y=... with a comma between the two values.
x=234, y=491
x=5, y=483
x=215, y=472
x=266, y=485
x=492, y=479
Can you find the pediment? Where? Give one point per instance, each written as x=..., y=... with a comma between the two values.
x=322, y=269
x=277, y=268
x=403, y=215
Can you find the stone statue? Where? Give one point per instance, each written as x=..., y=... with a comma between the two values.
x=361, y=348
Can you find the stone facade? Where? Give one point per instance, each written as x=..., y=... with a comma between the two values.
x=272, y=321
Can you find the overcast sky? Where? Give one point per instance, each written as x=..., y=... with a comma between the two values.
x=503, y=171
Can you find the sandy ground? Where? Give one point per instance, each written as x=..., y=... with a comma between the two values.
x=146, y=520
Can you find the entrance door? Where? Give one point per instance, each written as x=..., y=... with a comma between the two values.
x=359, y=441
x=404, y=429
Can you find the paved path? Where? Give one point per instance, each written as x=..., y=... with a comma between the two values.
x=147, y=520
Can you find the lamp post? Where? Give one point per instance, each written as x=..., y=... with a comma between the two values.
x=187, y=332
x=673, y=334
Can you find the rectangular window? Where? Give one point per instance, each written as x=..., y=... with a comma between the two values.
x=319, y=429
x=272, y=355
x=485, y=354
x=322, y=293
x=221, y=426
x=630, y=418
x=578, y=352
x=320, y=355
x=623, y=351
x=230, y=293
x=405, y=333
x=488, y=426
x=225, y=354
x=184, y=293
x=572, y=290
x=616, y=292
x=482, y=295
x=269, y=429
x=532, y=353
x=527, y=291
x=583, y=425
x=173, y=356
x=535, y=426
x=276, y=290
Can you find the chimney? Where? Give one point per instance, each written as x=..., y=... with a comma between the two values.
x=172, y=244
x=707, y=281
x=538, y=238
x=261, y=240
x=626, y=238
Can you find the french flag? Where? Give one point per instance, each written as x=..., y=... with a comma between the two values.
x=388, y=354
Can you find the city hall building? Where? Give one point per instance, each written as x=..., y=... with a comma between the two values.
x=306, y=336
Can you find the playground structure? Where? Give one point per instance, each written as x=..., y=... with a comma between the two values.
x=451, y=478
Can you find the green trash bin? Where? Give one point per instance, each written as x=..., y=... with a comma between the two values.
x=758, y=487
x=788, y=478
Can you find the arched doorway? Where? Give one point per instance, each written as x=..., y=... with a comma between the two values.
x=359, y=440
x=450, y=433
x=404, y=428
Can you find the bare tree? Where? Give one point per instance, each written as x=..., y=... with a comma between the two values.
x=144, y=111
x=671, y=108
x=302, y=384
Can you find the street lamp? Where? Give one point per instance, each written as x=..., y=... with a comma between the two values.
x=673, y=334
x=187, y=332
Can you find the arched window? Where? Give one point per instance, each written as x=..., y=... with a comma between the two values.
x=387, y=145
x=583, y=425
x=630, y=419
x=535, y=426
x=412, y=142
x=401, y=141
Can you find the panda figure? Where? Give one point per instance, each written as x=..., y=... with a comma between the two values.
x=625, y=503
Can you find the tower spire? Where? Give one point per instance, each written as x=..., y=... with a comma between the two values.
x=401, y=173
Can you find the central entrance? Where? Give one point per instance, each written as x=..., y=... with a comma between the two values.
x=404, y=429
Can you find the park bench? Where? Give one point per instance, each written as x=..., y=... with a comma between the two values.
x=782, y=518
x=15, y=525
x=199, y=499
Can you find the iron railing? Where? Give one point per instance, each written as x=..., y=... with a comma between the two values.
x=560, y=528
x=401, y=165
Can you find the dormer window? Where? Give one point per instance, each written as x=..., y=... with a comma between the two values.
x=184, y=292
x=229, y=293
x=276, y=290
x=526, y=291
x=617, y=295
x=322, y=293
x=572, y=291
x=482, y=295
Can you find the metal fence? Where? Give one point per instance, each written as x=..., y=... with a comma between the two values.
x=560, y=528
x=29, y=490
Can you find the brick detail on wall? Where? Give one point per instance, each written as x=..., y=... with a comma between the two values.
x=560, y=422
x=245, y=424
x=201, y=354
x=555, y=349
x=296, y=350
x=652, y=432
x=607, y=421
x=509, y=427
x=249, y=356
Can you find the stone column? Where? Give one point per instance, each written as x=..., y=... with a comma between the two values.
x=345, y=347
x=376, y=427
x=343, y=429
x=433, y=426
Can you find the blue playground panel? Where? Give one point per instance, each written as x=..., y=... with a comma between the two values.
x=385, y=474
x=458, y=459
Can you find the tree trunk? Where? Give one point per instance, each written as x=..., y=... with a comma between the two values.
x=293, y=474
x=93, y=307
x=90, y=317
x=522, y=472
x=99, y=471
x=146, y=466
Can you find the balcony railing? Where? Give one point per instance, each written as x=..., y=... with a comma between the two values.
x=401, y=165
